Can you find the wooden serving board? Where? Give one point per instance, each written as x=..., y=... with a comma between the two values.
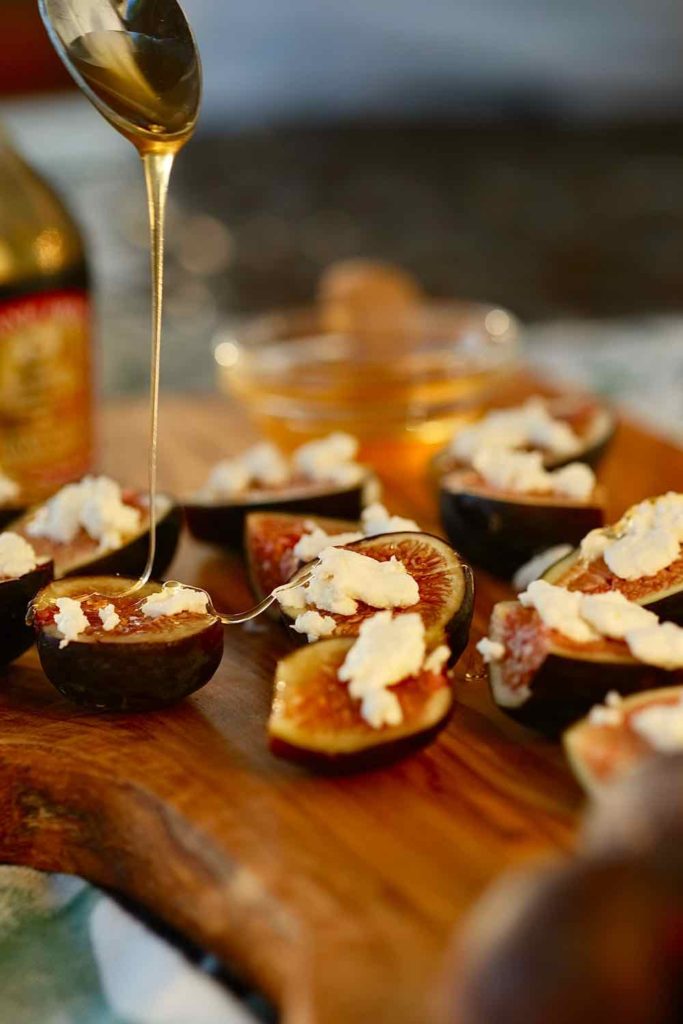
x=337, y=897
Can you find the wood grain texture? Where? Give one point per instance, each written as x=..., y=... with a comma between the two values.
x=335, y=896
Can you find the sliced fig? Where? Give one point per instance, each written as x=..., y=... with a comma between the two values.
x=269, y=542
x=601, y=751
x=445, y=583
x=223, y=523
x=547, y=681
x=141, y=664
x=15, y=595
x=594, y=423
x=314, y=720
x=500, y=531
x=83, y=554
x=594, y=939
x=662, y=594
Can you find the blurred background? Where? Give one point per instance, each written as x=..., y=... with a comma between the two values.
x=524, y=152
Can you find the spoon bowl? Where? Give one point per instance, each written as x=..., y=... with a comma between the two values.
x=136, y=61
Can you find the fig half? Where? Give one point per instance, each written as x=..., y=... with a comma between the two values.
x=593, y=422
x=83, y=554
x=445, y=582
x=15, y=595
x=315, y=722
x=269, y=542
x=141, y=664
x=662, y=594
x=500, y=531
x=547, y=681
x=600, y=752
x=222, y=523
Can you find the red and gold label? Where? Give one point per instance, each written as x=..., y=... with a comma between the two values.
x=45, y=390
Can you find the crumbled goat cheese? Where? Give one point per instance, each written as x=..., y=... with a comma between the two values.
x=174, y=598
x=387, y=651
x=491, y=650
x=559, y=609
x=311, y=544
x=660, y=645
x=645, y=540
x=17, y=557
x=314, y=625
x=641, y=554
x=594, y=545
x=375, y=519
x=608, y=714
x=227, y=479
x=262, y=465
x=94, y=504
x=109, y=617
x=613, y=615
x=9, y=489
x=330, y=459
x=525, y=426
x=536, y=566
x=340, y=578
x=661, y=725
x=524, y=473
x=70, y=619
x=435, y=661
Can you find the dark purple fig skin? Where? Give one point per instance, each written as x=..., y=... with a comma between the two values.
x=385, y=753
x=15, y=595
x=565, y=687
x=111, y=676
x=223, y=525
x=668, y=608
x=500, y=535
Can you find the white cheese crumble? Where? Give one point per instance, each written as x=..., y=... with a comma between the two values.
x=526, y=426
x=262, y=465
x=9, y=489
x=341, y=578
x=330, y=459
x=536, y=566
x=70, y=619
x=109, y=617
x=375, y=519
x=613, y=615
x=387, y=651
x=524, y=473
x=311, y=544
x=661, y=725
x=17, y=557
x=608, y=714
x=585, y=617
x=174, y=598
x=314, y=625
x=436, y=659
x=559, y=609
x=95, y=504
x=491, y=650
x=646, y=539
x=660, y=645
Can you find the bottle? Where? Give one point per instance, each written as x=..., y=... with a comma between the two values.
x=46, y=429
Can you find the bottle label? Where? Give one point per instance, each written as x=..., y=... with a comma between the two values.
x=45, y=390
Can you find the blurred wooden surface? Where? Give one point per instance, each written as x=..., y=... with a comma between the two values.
x=335, y=896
